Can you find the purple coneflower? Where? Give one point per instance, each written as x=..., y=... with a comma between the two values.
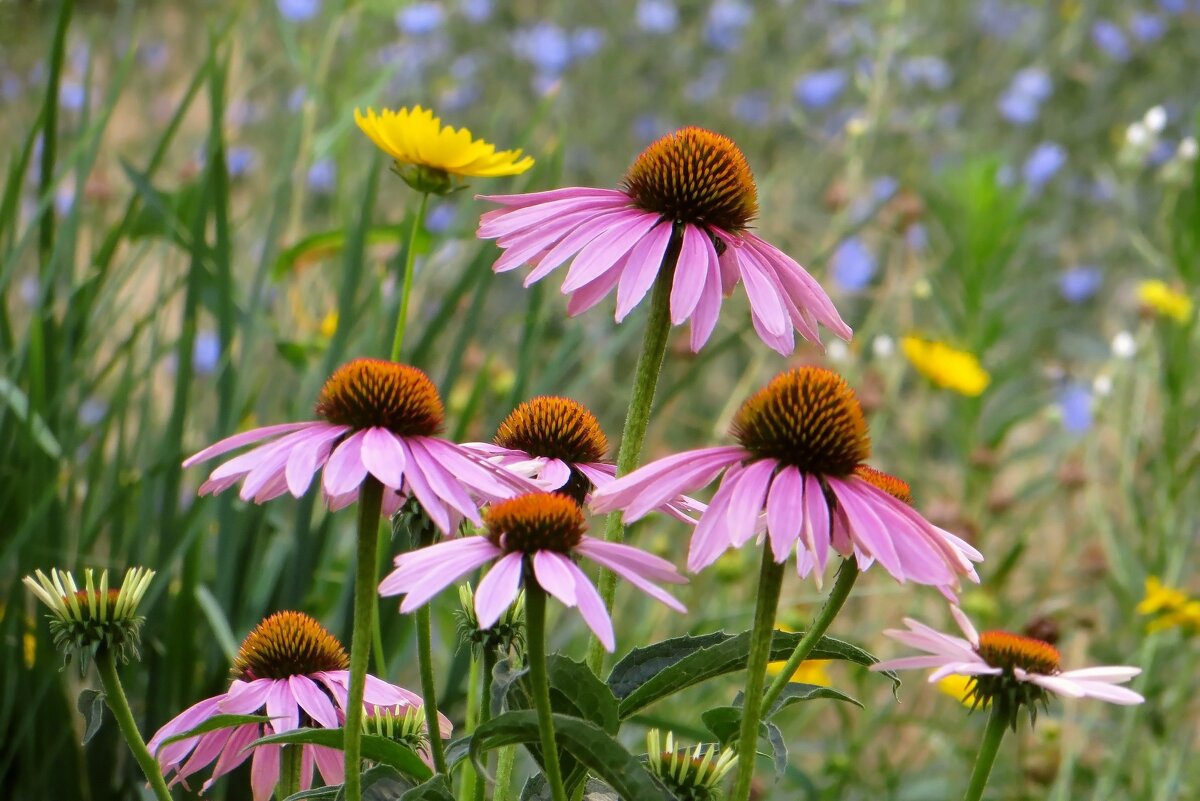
x=685, y=205
x=798, y=472
x=294, y=671
x=1013, y=667
x=558, y=443
x=379, y=418
x=531, y=537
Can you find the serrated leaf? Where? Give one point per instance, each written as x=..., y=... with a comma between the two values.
x=657, y=671
x=217, y=722
x=435, y=789
x=375, y=748
x=795, y=692
x=725, y=722
x=584, y=740
x=91, y=705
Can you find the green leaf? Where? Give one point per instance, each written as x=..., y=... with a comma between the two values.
x=327, y=243
x=725, y=722
x=375, y=748
x=584, y=740
x=435, y=789
x=217, y=722
x=795, y=692
x=657, y=671
x=91, y=705
x=380, y=783
x=536, y=789
x=18, y=402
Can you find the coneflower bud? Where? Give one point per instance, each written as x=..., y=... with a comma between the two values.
x=83, y=622
x=401, y=724
x=507, y=635
x=690, y=775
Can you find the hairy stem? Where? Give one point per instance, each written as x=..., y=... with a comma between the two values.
x=370, y=500
x=535, y=628
x=114, y=696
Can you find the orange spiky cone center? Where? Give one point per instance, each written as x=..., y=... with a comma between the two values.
x=288, y=644
x=369, y=393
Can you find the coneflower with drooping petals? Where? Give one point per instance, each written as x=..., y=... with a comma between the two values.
x=294, y=671
x=687, y=201
x=379, y=418
x=796, y=473
x=558, y=443
x=530, y=537
x=1009, y=669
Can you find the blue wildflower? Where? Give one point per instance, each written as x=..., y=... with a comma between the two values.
x=92, y=411
x=1080, y=283
x=1109, y=37
x=322, y=176
x=240, y=160
x=1042, y=165
x=206, y=352
x=298, y=10
x=726, y=21
x=817, y=90
x=586, y=42
x=853, y=265
x=930, y=72
x=477, y=10
x=1147, y=28
x=420, y=19
x=546, y=46
x=753, y=108
x=1173, y=6
x=1075, y=405
x=657, y=16
x=441, y=217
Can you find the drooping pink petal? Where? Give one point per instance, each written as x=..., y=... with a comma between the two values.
x=747, y=500
x=554, y=576
x=696, y=257
x=245, y=438
x=762, y=293
x=803, y=289
x=565, y=193
x=426, y=572
x=591, y=606
x=306, y=457
x=711, y=537
x=306, y=766
x=186, y=720
x=208, y=748
x=661, y=477
x=866, y=529
x=442, y=480
x=418, y=485
x=783, y=344
x=270, y=467
x=647, y=564
x=523, y=246
x=235, y=752
x=727, y=262
x=383, y=455
x=331, y=764
x=531, y=218
x=491, y=481
x=498, y=590
x=708, y=306
x=589, y=295
x=554, y=473
x=246, y=697
x=637, y=575
x=785, y=511
x=645, y=261
x=606, y=250
x=264, y=771
x=572, y=243
x=282, y=708
x=668, y=489
x=345, y=470
x=313, y=701
x=815, y=526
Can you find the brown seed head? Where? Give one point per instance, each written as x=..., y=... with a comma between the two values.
x=1005, y=650
x=556, y=428
x=897, y=488
x=367, y=393
x=288, y=644
x=536, y=522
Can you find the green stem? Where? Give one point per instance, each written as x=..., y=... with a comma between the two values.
x=770, y=580
x=992, y=735
x=289, y=771
x=846, y=575
x=410, y=256
x=637, y=417
x=429, y=688
x=114, y=696
x=504, y=769
x=485, y=711
x=535, y=628
x=370, y=500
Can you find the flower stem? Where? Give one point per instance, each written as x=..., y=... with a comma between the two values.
x=998, y=721
x=370, y=500
x=429, y=688
x=637, y=417
x=410, y=256
x=504, y=769
x=535, y=628
x=846, y=575
x=289, y=771
x=770, y=580
x=485, y=710
x=114, y=696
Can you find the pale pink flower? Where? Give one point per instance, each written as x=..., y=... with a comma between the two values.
x=685, y=205
x=530, y=538
x=797, y=477
x=294, y=671
x=1001, y=663
x=380, y=419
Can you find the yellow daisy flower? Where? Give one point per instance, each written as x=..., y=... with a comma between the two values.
x=1165, y=301
x=1170, y=606
x=433, y=152
x=956, y=687
x=947, y=367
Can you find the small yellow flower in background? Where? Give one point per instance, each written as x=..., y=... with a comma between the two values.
x=329, y=325
x=956, y=687
x=947, y=367
x=810, y=671
x=428, y=153
x=1170, y=606
x=1165, y=301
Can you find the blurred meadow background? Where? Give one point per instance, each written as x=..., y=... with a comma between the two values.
x=1000, y=196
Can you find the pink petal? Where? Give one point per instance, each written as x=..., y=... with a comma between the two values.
x=592, y=608
x=708, y=307
x=866, y=529
x=235, y=752
x=525, y=245
x=532, y=198
x=383, y=456
x=345, y=470
x=245, y=438
x=264, y=771
x=647, y=564
x=764, y=297
x=308, y=456
x=421, y=579
x=661, y=476
x=645, y=261
x=965, y=625
x=608, y=249
x=696, y=258
x=746, y=501
x=815, y=527
x=208, y=748
x=554, y=473
x=804, y=290
x=711, y=537
x=282, y=707
x=530, y=219
x=574, y=242
x=635, y=575
x=246, y=698
x=910, y=663
x=313, y=701
x=443, y=480
x=1104, y=674
x=498, y=590
x=785, y=511
x=588, y=296
x=554, y=576
x=331, y=764
x=431, y=502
